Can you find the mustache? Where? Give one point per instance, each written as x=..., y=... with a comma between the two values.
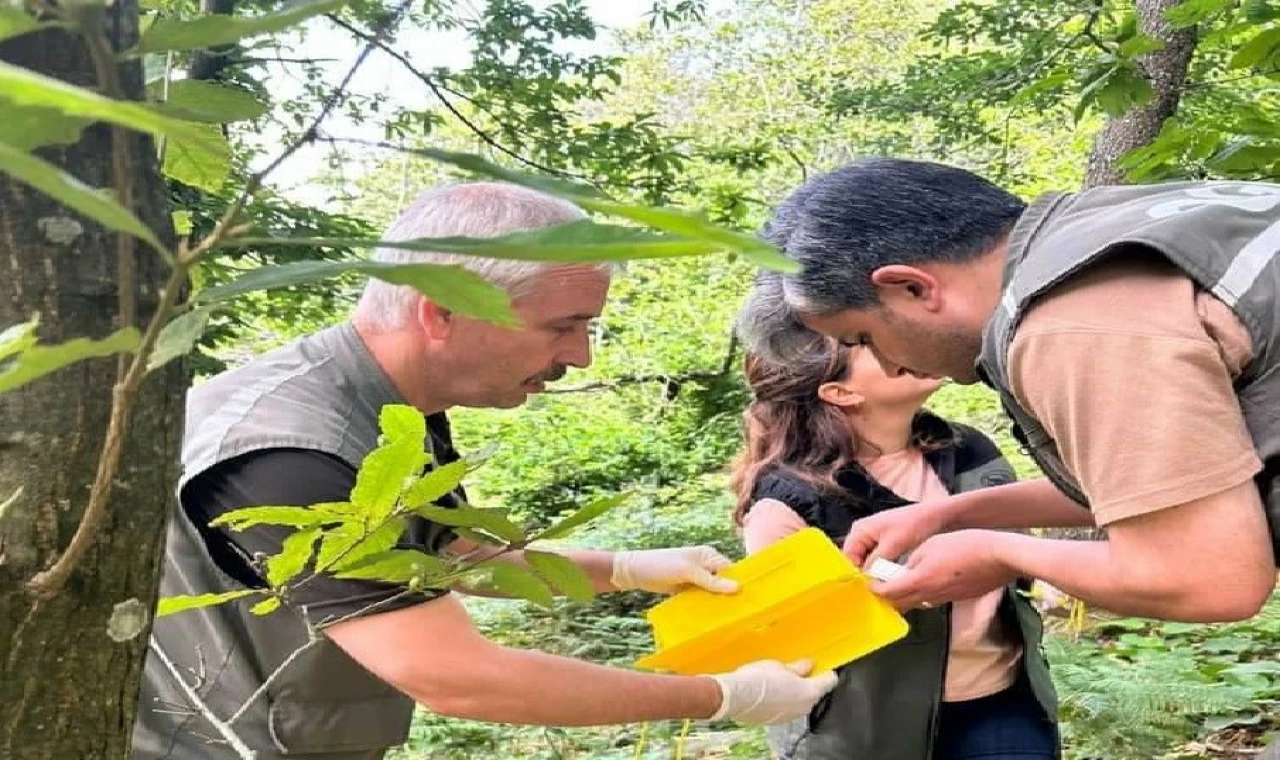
x=551, y=375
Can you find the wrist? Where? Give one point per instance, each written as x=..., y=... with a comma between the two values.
x=1005, y=552
x=713, y=698
x=948, y=514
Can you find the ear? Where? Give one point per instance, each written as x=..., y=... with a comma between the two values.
x=436, y=321
x=840, y=395
x=899, y=282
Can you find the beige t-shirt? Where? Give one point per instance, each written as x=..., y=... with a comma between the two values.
x=983, y=659
x=1129, y=367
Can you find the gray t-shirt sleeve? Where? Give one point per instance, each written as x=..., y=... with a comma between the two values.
x=288, y=477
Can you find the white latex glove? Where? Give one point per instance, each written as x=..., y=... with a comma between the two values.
x=668, y=570
x=769, y=692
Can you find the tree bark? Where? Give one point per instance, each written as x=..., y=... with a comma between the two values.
x=68, y=690
x=1166, y=70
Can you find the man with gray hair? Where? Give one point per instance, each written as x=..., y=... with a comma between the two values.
x=335, y=673
x=1132, y=335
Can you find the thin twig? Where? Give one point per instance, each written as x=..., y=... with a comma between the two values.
x=224, y=729
x=438, y=89
x=261, y=690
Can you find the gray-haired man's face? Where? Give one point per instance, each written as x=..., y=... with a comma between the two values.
x=498, y=367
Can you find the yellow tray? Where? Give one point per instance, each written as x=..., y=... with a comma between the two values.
x=799, y=598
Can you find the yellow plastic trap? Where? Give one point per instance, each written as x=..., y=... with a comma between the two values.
x=799, y=598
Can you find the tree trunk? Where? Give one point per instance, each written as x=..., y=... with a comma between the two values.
x=67, y=690
x=1166, y=70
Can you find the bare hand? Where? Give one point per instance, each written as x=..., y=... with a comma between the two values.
x=893, y=533
x=949, y=567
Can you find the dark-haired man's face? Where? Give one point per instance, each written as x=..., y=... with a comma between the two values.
x=903, y=344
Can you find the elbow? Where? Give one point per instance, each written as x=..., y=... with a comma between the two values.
x=1207, y=598
x=1237, y=599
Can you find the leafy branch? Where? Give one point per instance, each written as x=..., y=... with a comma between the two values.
x=90, y=24
x=358, y=539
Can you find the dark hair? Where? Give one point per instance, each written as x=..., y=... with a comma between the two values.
x=844, y=225
x=788, y=426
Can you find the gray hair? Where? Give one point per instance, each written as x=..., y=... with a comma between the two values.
x=844, y=225
x=769, y=326
x=470, y=209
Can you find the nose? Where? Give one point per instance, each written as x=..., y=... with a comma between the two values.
x=578, y=353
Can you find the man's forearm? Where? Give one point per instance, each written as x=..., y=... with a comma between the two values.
x=1090, y=571
x=1028, y=504
x=519, y=686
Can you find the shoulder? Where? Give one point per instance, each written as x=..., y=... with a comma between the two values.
x=788, y=488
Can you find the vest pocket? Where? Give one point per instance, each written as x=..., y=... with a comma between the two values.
x=334, y=726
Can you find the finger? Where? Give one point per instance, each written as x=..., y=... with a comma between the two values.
x=825, y=681
x=857, y=545
x=714, y=560
x=800, y=667
x=714, y=583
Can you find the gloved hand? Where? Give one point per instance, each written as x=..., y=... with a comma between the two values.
x=668, y=570
x=769, y=692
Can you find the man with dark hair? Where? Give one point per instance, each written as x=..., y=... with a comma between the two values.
x=1133, y=336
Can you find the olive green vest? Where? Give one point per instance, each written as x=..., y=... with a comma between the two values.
x=322, y=392
x=1224, y=235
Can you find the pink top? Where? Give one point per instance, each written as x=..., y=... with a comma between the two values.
x=983, y=658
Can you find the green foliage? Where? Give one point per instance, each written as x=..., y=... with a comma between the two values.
x=22, y=360
x=357, y=538
x=194, y=100
x=172, y=604
x=452, y=287
x=213, y=30
x=73, y=193
x=1136, y=689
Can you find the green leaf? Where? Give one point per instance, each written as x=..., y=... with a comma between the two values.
x=582, y=241
x=28, y=88
x=670, y=220
x=385, y=473
x=395, y=566
x=266, y=606
x=561, y=573
x=453, y=287
x=171, y=604
x=684, y=223
x=211, y=31
x=18, y=338
x=182, y=222
x=402, y=420
x=73, y=193
x=1192, y=12
x=350, y=544
x=30, y=127
x=247, y=517
x=1042, y=85
x=15, y=22
x=517, y=582
x=295, y=553
x=582, y=516
x=38, y=361
x=1260, y=11
x=1259, y=50
x=1140, y=44
x=195, y=100
x=203, y=163
x=1124, y=90
x=180, y=336
x=435, y=484
x=493, y=521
